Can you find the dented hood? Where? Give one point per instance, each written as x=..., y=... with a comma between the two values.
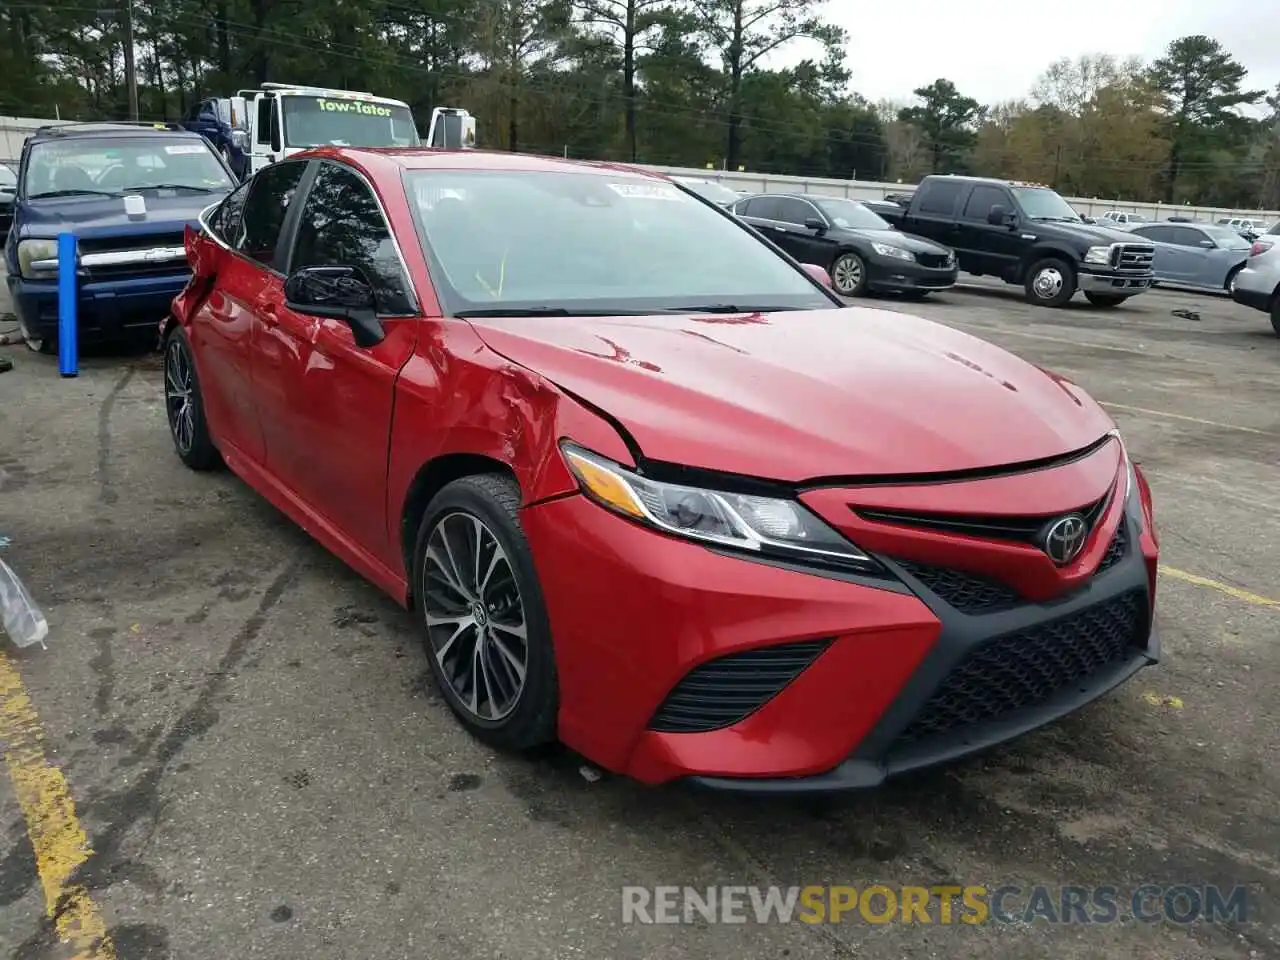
x=801, y=395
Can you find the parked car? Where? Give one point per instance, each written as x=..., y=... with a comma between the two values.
x=1027, y=234
x=8, y=189
x=127, y=193
x=1121, y=218
x=860, y=249
x=1248, y=227
x=1195, y=255
x=1258, y=284
x=712, y=190
x=593, y=433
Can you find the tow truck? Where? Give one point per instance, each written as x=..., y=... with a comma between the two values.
x=260, y=126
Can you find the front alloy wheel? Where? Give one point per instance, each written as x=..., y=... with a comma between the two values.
x=487, y=634
x=849, y=275
x=475, y=616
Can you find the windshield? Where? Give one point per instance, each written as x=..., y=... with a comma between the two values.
x=593, y=243
x=715, y=192
x=1040, y=203
x=851, y=215
x=1227, y=238
x=111, y=166
x=318, y=121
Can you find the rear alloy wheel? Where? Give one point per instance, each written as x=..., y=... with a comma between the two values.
x=184, y=405
x=849, y=275
x=487, y=636
x=1050, y=283
x=1104, y=300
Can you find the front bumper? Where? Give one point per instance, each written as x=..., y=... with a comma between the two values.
x=890, y=273
x=1113, y=283
x=105, y=310
x=643, y=658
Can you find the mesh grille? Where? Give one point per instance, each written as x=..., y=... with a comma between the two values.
x=724, y=691
x=967, y=592
x=1026, y=668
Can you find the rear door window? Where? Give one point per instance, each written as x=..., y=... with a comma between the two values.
x=266, y=206
x=940, y=198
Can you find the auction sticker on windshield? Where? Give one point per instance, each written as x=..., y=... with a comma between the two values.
x=183, y=148
x=647, y=191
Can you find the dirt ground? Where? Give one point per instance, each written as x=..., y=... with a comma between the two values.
x=263, y=769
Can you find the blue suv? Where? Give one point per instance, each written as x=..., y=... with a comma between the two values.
x=127, y=192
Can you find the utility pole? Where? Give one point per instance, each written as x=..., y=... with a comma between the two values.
x=130, y=68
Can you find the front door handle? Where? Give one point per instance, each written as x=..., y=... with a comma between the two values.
x=269, y=313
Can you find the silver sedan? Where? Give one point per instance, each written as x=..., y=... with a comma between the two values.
x=1207, y=256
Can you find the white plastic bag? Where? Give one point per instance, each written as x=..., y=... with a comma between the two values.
x=22, y=620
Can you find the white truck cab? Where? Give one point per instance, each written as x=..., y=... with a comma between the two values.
x=283, y=119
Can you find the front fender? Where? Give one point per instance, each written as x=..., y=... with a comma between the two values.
x=458, y=399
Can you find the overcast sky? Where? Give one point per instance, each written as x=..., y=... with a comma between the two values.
x=993, y=50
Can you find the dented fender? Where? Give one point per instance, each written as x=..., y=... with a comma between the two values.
x=456, y=397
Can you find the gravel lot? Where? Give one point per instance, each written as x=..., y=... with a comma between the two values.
x=264, y=771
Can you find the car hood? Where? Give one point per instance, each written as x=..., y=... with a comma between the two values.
x=897, y=238
x=1089, y=233
x=101, y=215
x=801, y=395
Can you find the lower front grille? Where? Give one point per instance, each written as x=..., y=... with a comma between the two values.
x=1025, y=669
x=967, y=592
x=724, y=691
x=935, y=261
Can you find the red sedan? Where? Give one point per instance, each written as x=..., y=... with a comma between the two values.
x=650, y=487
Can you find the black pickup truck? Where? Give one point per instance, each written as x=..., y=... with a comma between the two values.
x=1026, y=234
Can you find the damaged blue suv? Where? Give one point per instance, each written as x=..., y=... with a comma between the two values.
x=127, y=192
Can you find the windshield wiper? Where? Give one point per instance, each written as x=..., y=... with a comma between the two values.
x=543, y=312
x=73, y=193
x=730, y=308
x=169, y=186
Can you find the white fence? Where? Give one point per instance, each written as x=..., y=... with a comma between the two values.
x=15, y=130
x=874, y=190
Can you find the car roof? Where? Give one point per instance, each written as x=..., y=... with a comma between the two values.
x=105, y=130
x=388, y=159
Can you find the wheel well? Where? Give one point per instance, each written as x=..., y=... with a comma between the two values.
x=1036, y=254
x=431, y=479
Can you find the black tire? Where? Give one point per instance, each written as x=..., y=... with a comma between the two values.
x=1104, y=300
x=1050, y=282
x=1275, y=314
x=187, y=425
x=849, y=274
x=1229, y=283
x=529, y=721
x=45, y=345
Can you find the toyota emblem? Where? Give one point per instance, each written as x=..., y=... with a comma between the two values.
x=1064, y=539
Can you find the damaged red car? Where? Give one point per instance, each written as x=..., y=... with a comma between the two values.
x=651, y=488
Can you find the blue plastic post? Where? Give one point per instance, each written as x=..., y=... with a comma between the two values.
x=68, y=328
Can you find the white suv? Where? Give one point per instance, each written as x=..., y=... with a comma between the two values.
x=1258, y=284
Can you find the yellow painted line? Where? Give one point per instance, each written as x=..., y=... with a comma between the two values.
x=1256, y=599
x=1156, y=700
x=1180, y=416
x=57, y=837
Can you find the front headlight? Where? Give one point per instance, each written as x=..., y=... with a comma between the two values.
x=888, y=250
x=764, y=526
x=1098, y=255
x=30, y=251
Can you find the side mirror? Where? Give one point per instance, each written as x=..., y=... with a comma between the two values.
x=342, y=293
x=1208, y=244
x=1000, y=216
x=818, y=273
x=813, y=223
